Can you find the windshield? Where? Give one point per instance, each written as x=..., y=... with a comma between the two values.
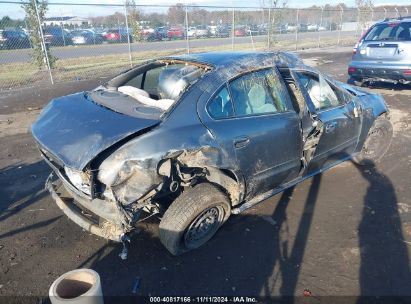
x=397, y=31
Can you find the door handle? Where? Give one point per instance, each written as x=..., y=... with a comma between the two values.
x=330, y=127
x=241, y=142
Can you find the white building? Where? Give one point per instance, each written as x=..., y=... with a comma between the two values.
x=66, y=21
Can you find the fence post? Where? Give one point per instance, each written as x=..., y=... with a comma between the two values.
x=128, y=35
x=385, y=13
x=396, y=10
x=341, y=19
x=321, y=24
x=232, y=28
x=269, y=29
x=62, y=29
x=296, y=30
x=43, y=43
x=186, y=22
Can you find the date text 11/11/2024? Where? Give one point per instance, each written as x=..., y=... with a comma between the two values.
x=205, y=299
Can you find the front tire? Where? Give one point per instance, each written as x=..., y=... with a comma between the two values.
x=193, y=218
x=377, y=142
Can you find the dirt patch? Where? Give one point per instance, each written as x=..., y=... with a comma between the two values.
x=400, y=121
x=17, y=123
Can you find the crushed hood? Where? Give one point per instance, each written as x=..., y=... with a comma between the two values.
x=75, y=129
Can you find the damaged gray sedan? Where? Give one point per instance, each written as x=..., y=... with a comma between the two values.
x=195, y=138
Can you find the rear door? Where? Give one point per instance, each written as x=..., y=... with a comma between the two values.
x=386, y=42
x=252, y=118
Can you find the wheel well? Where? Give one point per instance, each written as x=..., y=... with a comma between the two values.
x=225, y=179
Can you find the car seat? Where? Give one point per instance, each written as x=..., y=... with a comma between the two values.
x=257, y=97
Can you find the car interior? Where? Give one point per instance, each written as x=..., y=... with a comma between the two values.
x=159, y=85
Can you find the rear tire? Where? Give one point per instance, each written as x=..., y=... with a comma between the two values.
x=193, y=218
x=377, y=142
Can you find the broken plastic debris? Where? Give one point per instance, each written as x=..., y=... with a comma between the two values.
x=124, y=252
x=307, y=293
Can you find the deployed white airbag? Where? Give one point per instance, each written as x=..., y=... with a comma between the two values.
x=143, y=97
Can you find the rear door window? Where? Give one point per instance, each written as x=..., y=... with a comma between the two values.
x=400, y=31
x=257, y=93
x=220, y=105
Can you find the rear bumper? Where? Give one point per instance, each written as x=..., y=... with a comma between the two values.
x=96, y=216
x=383, y=72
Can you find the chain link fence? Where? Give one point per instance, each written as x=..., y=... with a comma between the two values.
x=96, y=40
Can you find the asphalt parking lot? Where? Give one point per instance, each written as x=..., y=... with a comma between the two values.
x=346, y=232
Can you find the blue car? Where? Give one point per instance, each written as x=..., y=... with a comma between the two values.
x=195, y=138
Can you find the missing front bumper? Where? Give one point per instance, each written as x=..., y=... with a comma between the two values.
x=81, y=212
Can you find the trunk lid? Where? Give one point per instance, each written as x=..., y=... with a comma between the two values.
x=75, y=129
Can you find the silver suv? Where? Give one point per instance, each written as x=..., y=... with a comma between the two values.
x=383, y=53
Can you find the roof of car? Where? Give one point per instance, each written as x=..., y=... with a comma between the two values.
x=397, y=19
x=226, y=59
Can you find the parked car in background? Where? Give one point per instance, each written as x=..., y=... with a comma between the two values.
x=86, y=37
x=14, y=39
x=202, y=31
x=118, y=36
x=192, y=139
x=219, y=31
x=311, y=27
x=279, y=28
x=240, y=31
x=176, y=33
x=57, y=36
x=252, y=30
x=302, y=27
x=291, y=27
x=321, y=27
x=192, y=32
x=152, y=34
x=162, y=32
x=383, y=53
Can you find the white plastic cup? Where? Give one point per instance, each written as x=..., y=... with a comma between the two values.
x=80, y=286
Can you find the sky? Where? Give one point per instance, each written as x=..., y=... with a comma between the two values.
x=15, y=11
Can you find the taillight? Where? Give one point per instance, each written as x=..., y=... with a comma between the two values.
x=354, y=50
x=407, y=72
x=351, y=70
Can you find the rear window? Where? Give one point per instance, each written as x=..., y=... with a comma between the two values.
x=397, y=31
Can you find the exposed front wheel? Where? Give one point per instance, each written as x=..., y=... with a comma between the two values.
x=377, y=142
x=193, y=218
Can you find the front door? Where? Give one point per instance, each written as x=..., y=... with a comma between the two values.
x=339, y=118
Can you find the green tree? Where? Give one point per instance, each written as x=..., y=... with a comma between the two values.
x=134, y=16
x=38, y=52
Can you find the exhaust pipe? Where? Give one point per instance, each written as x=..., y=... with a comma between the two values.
x=80, y=286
